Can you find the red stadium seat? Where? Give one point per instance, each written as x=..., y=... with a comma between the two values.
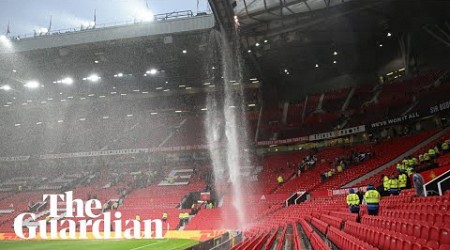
x=444, y=247
x=433, y=244
x=444, y=237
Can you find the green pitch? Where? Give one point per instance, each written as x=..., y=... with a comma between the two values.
x=97, y=245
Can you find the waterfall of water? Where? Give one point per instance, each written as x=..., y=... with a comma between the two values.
x=225, y=122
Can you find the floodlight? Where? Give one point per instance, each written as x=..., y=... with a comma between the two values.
x=6, y=87
x=32, y=84
x=67, y=81
x=5, y=41
x=93, y=78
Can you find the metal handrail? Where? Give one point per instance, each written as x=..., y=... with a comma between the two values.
x=158, y=18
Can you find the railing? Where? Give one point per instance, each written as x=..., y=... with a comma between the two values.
x=157, y=18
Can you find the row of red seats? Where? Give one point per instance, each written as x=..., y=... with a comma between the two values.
x=414, y=228
x=390, y=240
x=424, y=207
x=430, y=216
x=255, y=242
x=314, y=238
x=345, y=241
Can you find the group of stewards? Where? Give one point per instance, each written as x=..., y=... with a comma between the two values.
x=371, y=198
x=184, y=218
x=393, y=184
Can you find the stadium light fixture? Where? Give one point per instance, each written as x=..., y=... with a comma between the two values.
x=6, y=87
x=67, y=81
x=5, y=41
x=92, y=78
x=32, y=84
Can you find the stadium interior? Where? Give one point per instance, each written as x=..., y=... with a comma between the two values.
x=330, y=96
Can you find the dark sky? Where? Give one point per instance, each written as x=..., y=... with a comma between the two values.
x=27, y=15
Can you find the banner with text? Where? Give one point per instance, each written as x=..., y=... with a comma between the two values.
x=395, y=120
x=286, y=141
x=337, y=133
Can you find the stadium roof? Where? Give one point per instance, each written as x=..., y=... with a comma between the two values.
x=318, y=40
